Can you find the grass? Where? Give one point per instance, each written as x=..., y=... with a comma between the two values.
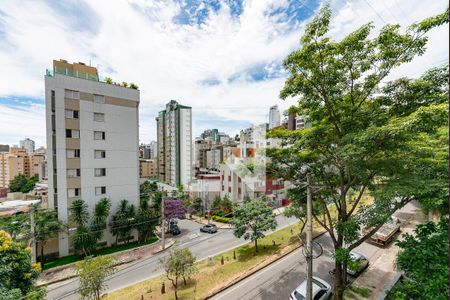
x=211, y=277
x=353, y=292
x=104, y=251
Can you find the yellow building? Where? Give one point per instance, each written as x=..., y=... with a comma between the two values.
x=148, y=168
x=18, y=161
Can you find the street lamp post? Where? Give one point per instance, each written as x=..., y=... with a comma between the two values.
x=309, y=257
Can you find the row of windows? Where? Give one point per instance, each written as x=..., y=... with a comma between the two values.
x=98, y=172
x=75, y=153
x=76, y=95
x=99, y=190
x=75, y=114
x=75, y=134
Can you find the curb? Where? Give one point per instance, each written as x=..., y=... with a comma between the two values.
x=252, y=272
x=167, y=246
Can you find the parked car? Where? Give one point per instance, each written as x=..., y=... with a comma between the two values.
x=175, y=230
x=321, y=290
x=209, y=228
x=359, y=264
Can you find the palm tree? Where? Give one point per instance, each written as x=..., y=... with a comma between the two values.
x=47, y=226
x=123, y=220
x=99, y=217
x=83, y=239
x=79, y=212
x=146, y=219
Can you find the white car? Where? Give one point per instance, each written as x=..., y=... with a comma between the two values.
x=321, y=290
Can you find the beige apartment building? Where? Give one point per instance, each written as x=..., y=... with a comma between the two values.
x=17, y=161
x=92, y=142
x=148, y=168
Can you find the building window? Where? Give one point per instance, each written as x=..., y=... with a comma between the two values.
x=99, y=117
x=100, y=190
x=72, y=94
x=73, y=173
x=99, y=135
x=73, y=153
x=71, y=114
x=100, y=172
x=73, y=192
x=72, y=133
x=99, y=153
x=99, y=99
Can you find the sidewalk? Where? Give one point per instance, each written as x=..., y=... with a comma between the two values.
x=68, y=271
x=382, y=270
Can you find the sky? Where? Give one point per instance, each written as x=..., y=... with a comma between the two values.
x=222, y=57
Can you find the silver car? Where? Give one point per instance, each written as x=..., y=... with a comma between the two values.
x=359, y=263
x=321, y=290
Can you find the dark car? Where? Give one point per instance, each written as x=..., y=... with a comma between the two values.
x=175, y=230
x=209, y=228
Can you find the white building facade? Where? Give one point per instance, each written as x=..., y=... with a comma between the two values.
x=92, y=142
x=274, y=117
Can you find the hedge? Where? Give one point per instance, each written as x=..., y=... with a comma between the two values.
x=221, y=219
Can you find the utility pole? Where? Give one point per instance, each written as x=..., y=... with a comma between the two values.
x=309, y=258
x=207, y=200
x=33, y=238
x=163, y=221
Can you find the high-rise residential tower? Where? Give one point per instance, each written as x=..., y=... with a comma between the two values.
x=174, y=130
x=274, y=117
x=27, y=144
x=92, y=142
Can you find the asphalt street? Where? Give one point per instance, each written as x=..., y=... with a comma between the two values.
x=278, y=280
x=202, y=245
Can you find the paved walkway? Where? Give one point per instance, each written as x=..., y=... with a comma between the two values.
x=382, y=270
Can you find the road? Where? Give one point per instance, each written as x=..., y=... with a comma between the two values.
x=278, y=280
x=202, y=245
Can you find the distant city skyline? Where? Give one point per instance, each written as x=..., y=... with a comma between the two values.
x=223, y=59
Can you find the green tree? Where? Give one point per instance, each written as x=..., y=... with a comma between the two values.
x=123, y=221
x=252, y=219
x=17, y=272
x=423, y=258
x=197, y=205
x=108, y=80
x=99, y=217
x=47, y=226
x=29, y=186
x=17, y=183
x=18, y=226
x=179, y=264
x=146, y=219
x=356, y=142
x=92, y=273
x=83, y=240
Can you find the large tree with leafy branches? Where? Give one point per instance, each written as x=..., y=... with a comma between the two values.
x=423, y=259
x=359, y=142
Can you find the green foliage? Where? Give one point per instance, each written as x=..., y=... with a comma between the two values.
x=252, y=219
x=99, y=217
x=21, y=183
x=79, y=213
x=17, y=273
x=179, y=264
x=222, y=219
x=123, y=221
x=197, y=205
x=423, y=258
x=18, y=226
x=47, y=226
x=92, y=273
x=362, y=139
x=134, y=86
x=146, y=220
x=108, y=80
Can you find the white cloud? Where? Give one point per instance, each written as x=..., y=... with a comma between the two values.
x=138, y=41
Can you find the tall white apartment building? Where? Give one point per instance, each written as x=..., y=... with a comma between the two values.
x=274, y=117
x=174, y=130
x=27, y=144
x=92, y=142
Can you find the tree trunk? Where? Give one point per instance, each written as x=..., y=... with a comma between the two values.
x=42, y=253
x=184, y=280
x=256, y=246
x=175, y=287
x=338, y=290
